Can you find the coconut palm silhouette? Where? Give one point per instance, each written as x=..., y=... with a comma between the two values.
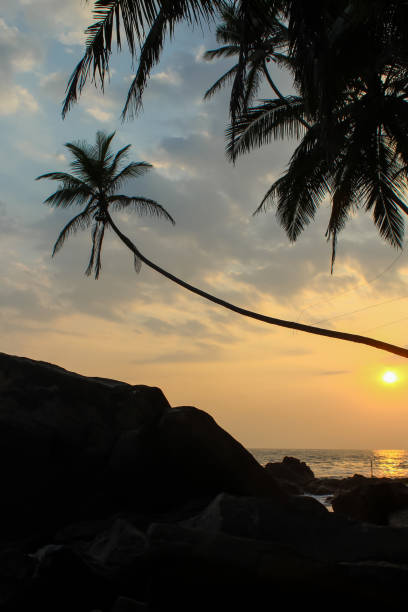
x=96, y=175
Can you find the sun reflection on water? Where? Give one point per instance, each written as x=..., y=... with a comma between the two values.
x=390, y=463
x=342, y=463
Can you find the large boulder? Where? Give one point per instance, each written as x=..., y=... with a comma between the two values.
x=202, y=458
x=372, y=502
x=305, y=526
x=73, y=446
x=57, y=431
x=197, y=569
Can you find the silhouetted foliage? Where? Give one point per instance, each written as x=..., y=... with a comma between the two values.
x=349, y=63
x=97, y=174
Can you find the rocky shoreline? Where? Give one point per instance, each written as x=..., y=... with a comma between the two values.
x=112, y=500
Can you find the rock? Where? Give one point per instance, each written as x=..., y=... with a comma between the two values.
x=372, y=502
x=113, y=548
x=291, y=473
x=200, y=458
x=57, y=430
x=66, y=581
x=119, y=546
x=398, y=518
x=325, y=486
x=125, y=604
x=74, y=447
x=305, y=526
x=16, y=573
x=193, y=569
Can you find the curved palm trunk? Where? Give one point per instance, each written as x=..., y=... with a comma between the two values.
x=320, y=331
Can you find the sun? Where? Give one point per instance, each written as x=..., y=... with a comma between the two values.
x=389, y=377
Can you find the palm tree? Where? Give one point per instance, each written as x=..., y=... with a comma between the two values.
x=265, y=39
x=146, y=24
x=95, y=176
x=356, y=150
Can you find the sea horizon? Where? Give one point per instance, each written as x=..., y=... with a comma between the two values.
x=341, y=462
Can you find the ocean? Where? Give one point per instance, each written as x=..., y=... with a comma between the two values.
x=341, y=463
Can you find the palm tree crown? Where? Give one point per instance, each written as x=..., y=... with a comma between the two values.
x=264, y=38
x=97, y=174
x=350, y=69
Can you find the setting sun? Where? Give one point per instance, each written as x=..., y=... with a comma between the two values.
x=389, y=377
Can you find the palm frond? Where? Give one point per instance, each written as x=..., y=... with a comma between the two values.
x=143, y=206
x=253, y=83
x=149, y=57
x=95, y=260
x=221, y=52
x=98, y=258
x=63, y=177
x=298, y=193
x=132, y=170
x=85, y=163
x=221, y=82
x=387, y=215
x=382, y=192
x=119, y=157
x=103, y=142
x=260, y=125
x=136, y=17
x=137, y=263
x=342, y=204
x=396, y=126
x=68, y=196
x=94, y=238
x=80, y=221
x=68, y=181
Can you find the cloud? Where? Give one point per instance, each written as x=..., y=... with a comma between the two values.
x=64, y=21
x=53, y=85
x=17, y=99
x=170, y=77
x=18, y=52
x=204, y=353
x=9, y=225
x=99, y=114
x=35, y=152
x=332, y=372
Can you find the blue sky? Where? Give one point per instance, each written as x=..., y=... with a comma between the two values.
x=268, y=387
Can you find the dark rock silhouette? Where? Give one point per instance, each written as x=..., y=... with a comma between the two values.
x=113, y=501
x=292, y=474
x=372, y=501
x=73, y=446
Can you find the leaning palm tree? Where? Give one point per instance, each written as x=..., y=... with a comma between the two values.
x=96, y=175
